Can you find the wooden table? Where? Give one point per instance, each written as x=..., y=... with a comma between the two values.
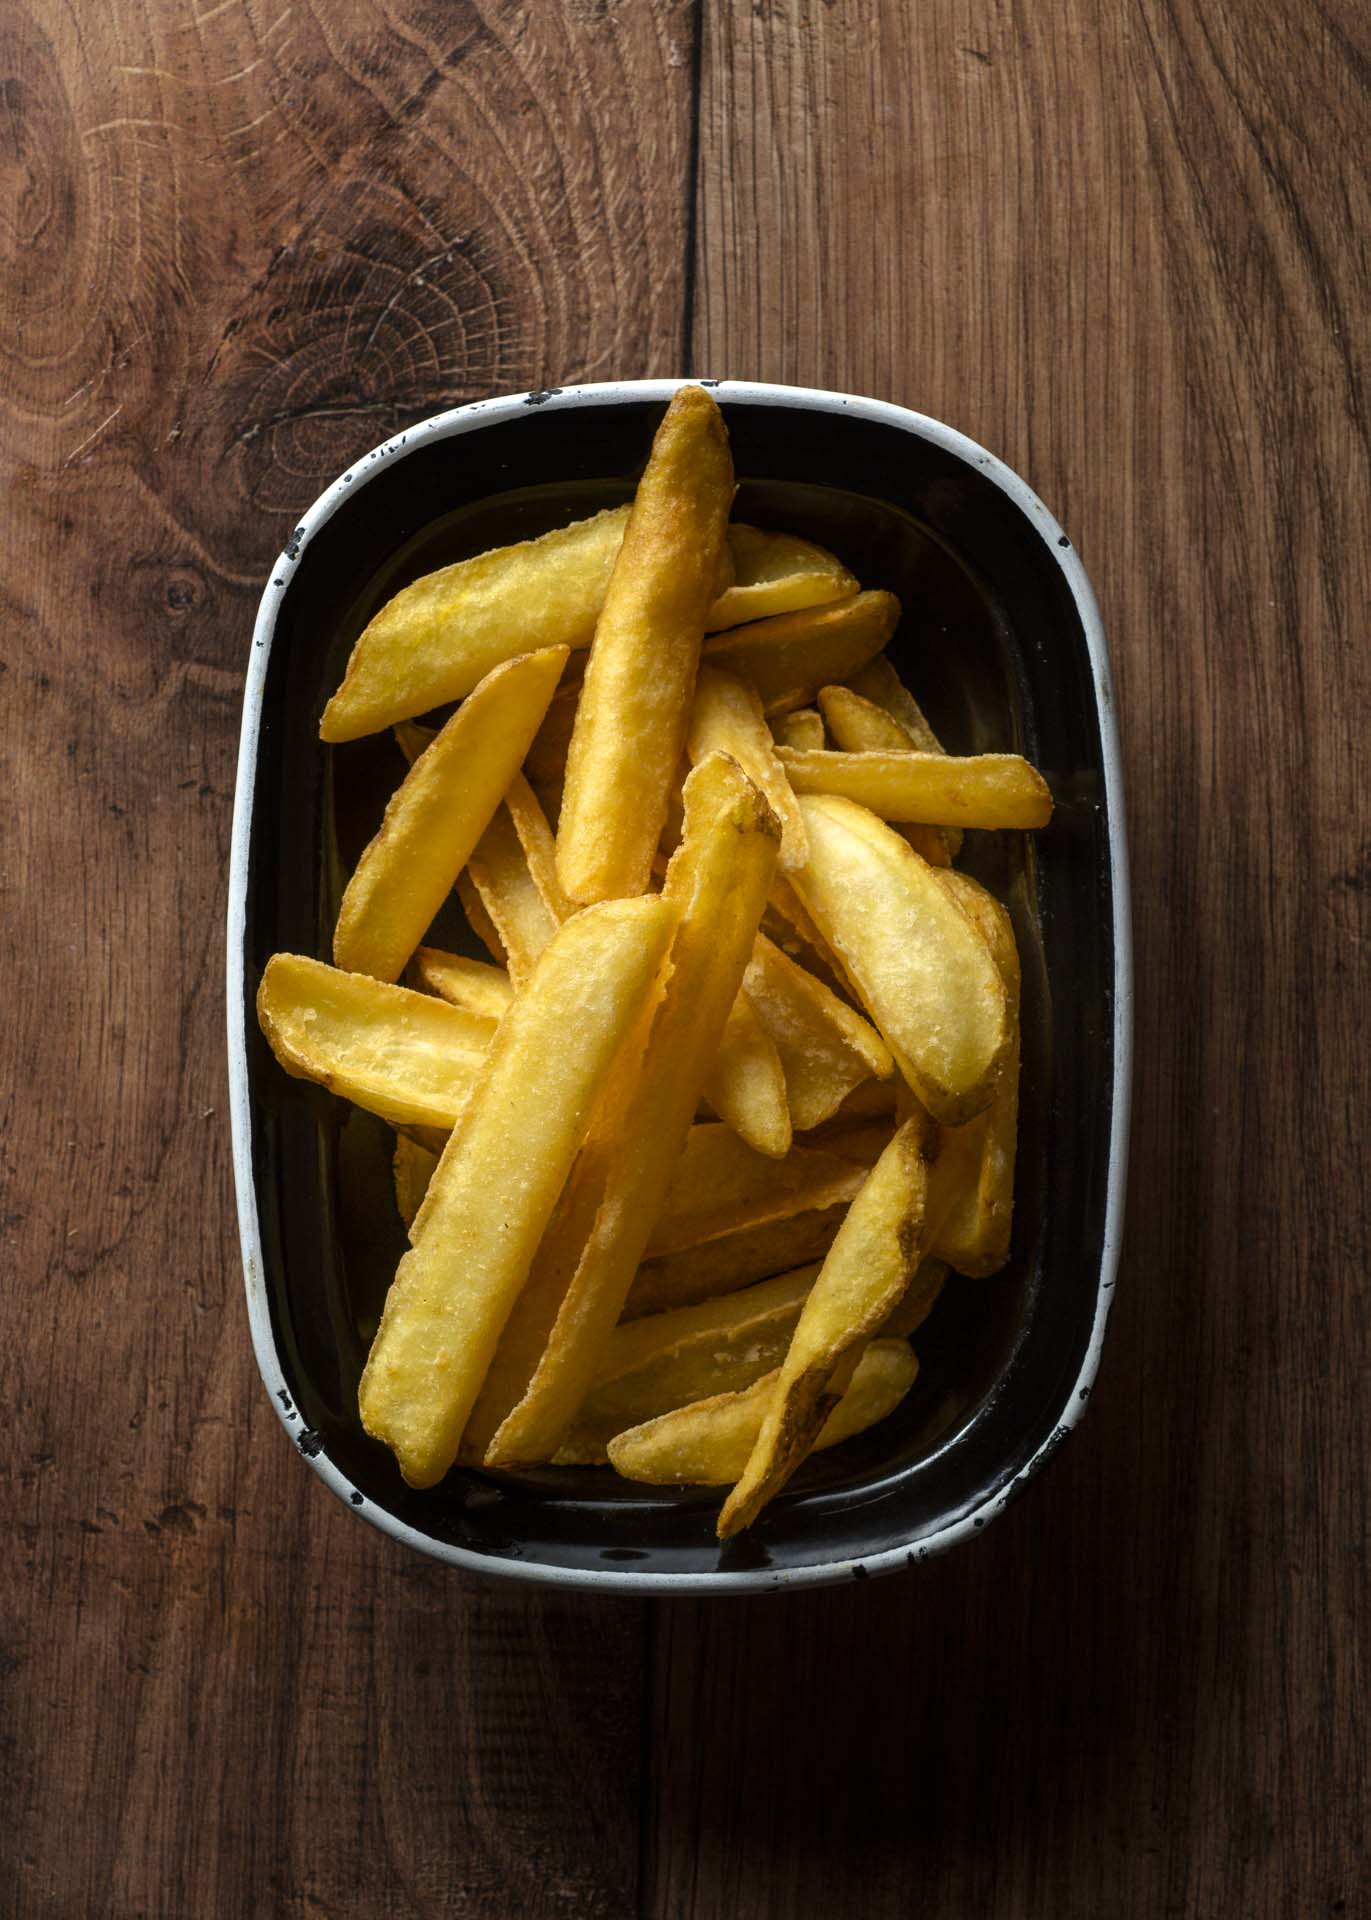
x=1124, y=246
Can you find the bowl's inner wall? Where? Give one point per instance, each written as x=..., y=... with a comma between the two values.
x=991, y=645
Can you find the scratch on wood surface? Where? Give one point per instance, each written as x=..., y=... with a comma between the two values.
x=92, y=437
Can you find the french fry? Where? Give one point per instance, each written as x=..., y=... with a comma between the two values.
x=727, y=717
x=979, y=790
x=802, y=728
x=412, y=739
x=862, y=1142
x=709, y=1443
x=923, y=969
x=734, y=1260
x=789, y=924
x=776, y=573
x=919, y=1299
x=472, y=984
x=825, y=1048
x=720, y=1186
x=664, y=1361
x=498, y=870
x=718, y=880
x=540, y=846
x=439, y=638
x=631, y=717
x=866, y=1273
x=474, y=907
x=859, y=725
x=974, y=1235
x=403, y=1055
x=413, y=1169
x=879, y=683
x=788, y=658
x=746, y=1085
x=437, y=815
x=499, y=1179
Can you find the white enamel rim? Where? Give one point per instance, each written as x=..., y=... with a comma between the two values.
x=483, y=413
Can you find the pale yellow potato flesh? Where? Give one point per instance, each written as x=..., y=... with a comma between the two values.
x=437, y=815
x=500, y=1177
x=866, y=1273
x=776, y=573
x=437, y=639
x=726, y=717
x=631, y=717
x=788, y=658
x=499, y=872
x=709, y=1443
x=717, y=881
x=746, y=1085
x=669, y=1359
x=404, y=1055
x=413, y=1168
x=802, y=728
x=923, y=969
x=474, y=984
x=540, y=846
x=826, y=1049
x=732, y=1261
x=859, y=725
x=975, y=1233
x=990, y=790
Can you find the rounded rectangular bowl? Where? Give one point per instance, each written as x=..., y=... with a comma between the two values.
x=1001, y=642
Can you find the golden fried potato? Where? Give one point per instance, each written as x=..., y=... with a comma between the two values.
x=709, y=1443
x=924, y=971
x=803, y=728
x=631, y=717
x=788, y=658
x=859, y=725
x=879, y=683
x=866, y=1273
x=413, y=1168
x=719, y=1186
x=668, y=1359
x=437, y=815
x=437, y=639
x=500, y=1176
x=473, y=984
x=776, y=573
x=919, y=1299
x=825, y=1048
x=733, y=1260
x=403, y=1055
x=978, y=790
x=746, y=1084
x=727, y=717
x=718, y=880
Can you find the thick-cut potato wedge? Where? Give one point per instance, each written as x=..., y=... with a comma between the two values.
x=776, y=573
x=974, y=1235
x=727, y=717
x=868, y=1269
x=668, y=1359
x=787, y=659
x=825, y=1048
x=631, y=717
x=718, y=880
x=498, y=870
x=540, y=846
x=412, y=739
x=879, y=683
x=920, y=1297
x=737, y=1259
x=437, y=815
x=861, y=1142
x=922, y=966
x=979, y=790
x=545, y=761
x=474, y=907
x=499, y=1179
x=413, y=1167
x=404, y=1055
x=437, y=639
x=473, y=984
x=709, y=1443
x=719, y=1186
x=789, y=924
x=803, y=728
x=746, y=1085
x=859, y=725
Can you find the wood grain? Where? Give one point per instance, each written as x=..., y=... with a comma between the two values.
x=1125, y=248
x=242, y=243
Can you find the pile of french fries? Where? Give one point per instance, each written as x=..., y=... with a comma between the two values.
x=684, y=1164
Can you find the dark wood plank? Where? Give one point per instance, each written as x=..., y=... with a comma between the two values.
x=1125, y=248
x=243, y=243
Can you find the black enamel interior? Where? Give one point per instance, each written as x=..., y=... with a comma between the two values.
x=992, y=645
